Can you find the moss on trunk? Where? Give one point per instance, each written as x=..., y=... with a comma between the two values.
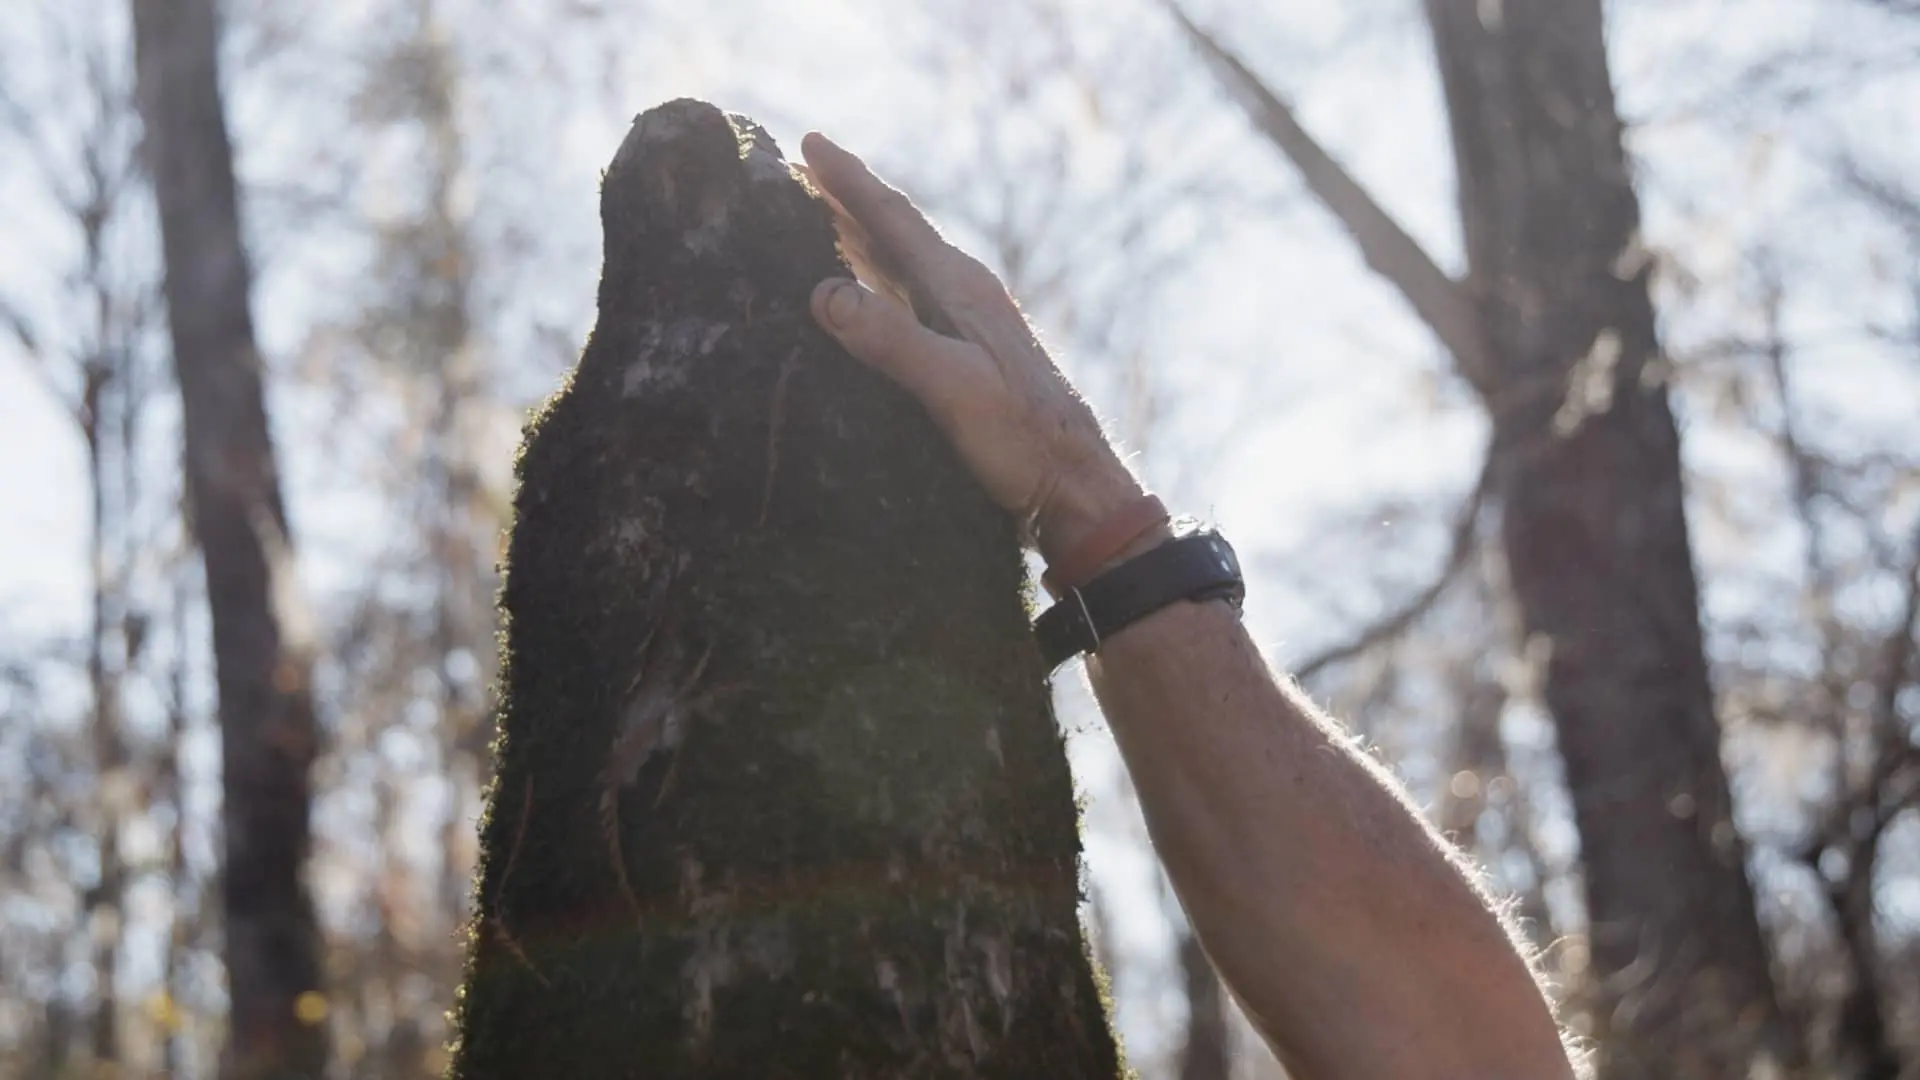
x=779, y=787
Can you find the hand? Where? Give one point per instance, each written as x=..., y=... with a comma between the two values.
x=1016, y=421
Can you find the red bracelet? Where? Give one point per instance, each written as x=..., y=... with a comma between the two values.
x=1113, y=536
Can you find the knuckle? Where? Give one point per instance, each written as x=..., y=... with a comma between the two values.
x=974, y=393
x=893, y=202
x=974, y=282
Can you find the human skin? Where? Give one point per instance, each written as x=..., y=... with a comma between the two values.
x=1357, y=941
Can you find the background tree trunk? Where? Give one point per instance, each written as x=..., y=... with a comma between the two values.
x=105, y=901
x=779, y=790
x=233, y=493
x=1208, y=1055
x=1554, y=328
x=1596, y=538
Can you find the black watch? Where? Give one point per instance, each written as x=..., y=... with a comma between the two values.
x=1198, y=566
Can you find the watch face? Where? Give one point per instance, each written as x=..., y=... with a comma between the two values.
x=1229, y=561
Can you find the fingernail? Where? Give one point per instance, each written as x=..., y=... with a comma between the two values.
x=840, y=301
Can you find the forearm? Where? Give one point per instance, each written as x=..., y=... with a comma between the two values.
x=1334, y=915
x=1331, y=911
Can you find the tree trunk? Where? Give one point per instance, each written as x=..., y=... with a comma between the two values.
x=1554, y=328
x=1478, y=758
x=1596, y=537
x=233, y=496
x=779, y=791
x=105, y=900
x=1861, y=1032
x=1207, y=1054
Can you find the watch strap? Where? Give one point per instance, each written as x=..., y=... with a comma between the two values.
x=1114, y=535
x=1199, y=566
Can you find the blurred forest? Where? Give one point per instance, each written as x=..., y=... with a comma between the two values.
x=1325, y=268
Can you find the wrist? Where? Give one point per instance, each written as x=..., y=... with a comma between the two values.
x=1141, y=543
x=1146, y=542
x=1138, y=523
x=1079, y=504
x=1198, y=566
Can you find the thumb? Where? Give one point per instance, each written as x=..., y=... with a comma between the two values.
x=884, y=334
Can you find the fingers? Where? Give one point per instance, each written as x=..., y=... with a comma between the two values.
x=880, y=207
x=943, y=372
x=856, y=247
x=905, y=241
x=1031, y=442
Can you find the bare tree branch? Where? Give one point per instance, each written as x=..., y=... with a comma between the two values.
x=1893, y=784
x=20, y=328
x=1898, y=661
x=1442, y=302
x=1897, y=7
x=1459, y=552
x=1884, y=194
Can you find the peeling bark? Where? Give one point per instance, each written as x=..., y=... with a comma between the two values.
x=779, y=791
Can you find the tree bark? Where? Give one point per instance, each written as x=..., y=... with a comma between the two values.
x=1596, y=537
x=779, y=790
x=233, y=496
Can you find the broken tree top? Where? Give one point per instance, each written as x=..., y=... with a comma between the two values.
x=779, y=788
